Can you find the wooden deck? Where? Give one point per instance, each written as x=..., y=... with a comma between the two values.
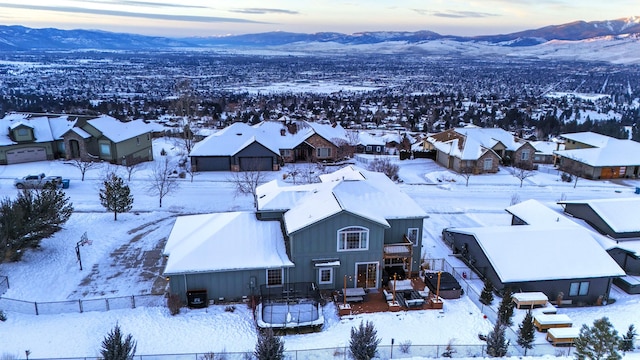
x=375, y=301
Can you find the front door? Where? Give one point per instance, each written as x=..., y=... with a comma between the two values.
x=367, y=275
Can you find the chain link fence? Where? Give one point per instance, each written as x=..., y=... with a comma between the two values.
x=79, y=306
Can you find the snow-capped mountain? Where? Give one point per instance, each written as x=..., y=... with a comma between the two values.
x=612, y=40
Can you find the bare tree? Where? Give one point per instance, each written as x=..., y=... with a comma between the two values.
x=131, y=165
x=521, y=173
x=162, y=181
x=84, y=165
x=573, y=167
x=247, y=182
x=184, y=105
x=345, y=149
x=466, y=172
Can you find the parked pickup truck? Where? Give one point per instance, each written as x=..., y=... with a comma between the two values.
x=37, y=181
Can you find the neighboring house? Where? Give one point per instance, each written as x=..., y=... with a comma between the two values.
x=480, y=150
x=370, y=144
x=577, y=269
x=237, y=147
x=595, y=156
x=27, y=137
x=109, y=139
x=348, y=228
x=564, y=262
x=618, y=221
x=544, y=151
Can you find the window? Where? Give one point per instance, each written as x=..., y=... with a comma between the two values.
x=353, y=238
x=274, y=277
x=105, y=149
x=579, y=288
x=325, y=276
x=22, y=132
x=378, y=149
x=286, y=152
x=525, y=155
x=488, y=164
x=137, y=140
x=412, y=234
x=323, y=152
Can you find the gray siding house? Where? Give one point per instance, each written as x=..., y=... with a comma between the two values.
x=557, y=260
x=347, y=229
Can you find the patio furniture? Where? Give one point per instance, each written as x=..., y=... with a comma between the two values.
x=544, y=322
x=530, y=299
x=562, y=336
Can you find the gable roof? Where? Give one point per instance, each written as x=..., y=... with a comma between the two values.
x=588, y=137
x=212, y=242
x=117, y=131
x=621, y=214
x=367, y=194
x=230, y=140
x=45, y=129
x=539, y=253
x=490, y=137
x=533, y=212
x=613, y=152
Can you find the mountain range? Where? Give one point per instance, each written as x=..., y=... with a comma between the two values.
x=19, y=38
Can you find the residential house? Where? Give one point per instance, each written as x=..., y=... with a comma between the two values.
x=109, y=139
x=480, y=150
x=237, y=147
x=370, y=144
x=344, y=231
x=595, y=156
x=29, y=137
x=269, y=141
x=544, y=151
x=618, y=221
x=518, y=257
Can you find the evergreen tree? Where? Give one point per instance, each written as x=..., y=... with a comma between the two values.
x=598, y=342
x=117, y=347
x=486, y=296
x=626, y=344
x=505, y=311
x=526, y=333
x=116, y=196
x=364, y=341
x=497, y=344
x=269, y=346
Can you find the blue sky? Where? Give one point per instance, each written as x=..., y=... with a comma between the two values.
x=214, y=18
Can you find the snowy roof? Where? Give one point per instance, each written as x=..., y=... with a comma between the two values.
x=45, y=129
x=232, y=139
x=534, y=212
x=588, y=137
x=614, y=153
x=546, y=147
x=538, y=253
x=117, y=131
x=472, y=150
x=621, y=214
x=351, y=189
x=213, y=242
x=489, y=137
x=365, y=138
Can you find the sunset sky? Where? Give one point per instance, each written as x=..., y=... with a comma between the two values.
x=213, y=18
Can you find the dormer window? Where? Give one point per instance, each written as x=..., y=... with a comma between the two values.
x=22, y=132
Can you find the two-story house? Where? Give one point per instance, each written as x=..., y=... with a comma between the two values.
x=348, y=228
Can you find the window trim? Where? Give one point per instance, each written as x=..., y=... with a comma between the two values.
x=350, y=230
x=579, y=288
x=417, y=231
x=320, y=271
x=484, y=164
x=524, y=156
x=319, y=155
x=281, y=277
x=103, y=146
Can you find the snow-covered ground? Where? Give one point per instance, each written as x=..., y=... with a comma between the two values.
x=120, y=249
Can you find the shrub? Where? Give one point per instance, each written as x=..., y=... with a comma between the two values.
x=174, y=303
x=405, y=346
x=364, y=341
x=385, y=166
x=486, y=296
x=598, y=342
x=269, y=346
x=626, y=343
x=3, y=316
x=230, y=308
x=117, y=347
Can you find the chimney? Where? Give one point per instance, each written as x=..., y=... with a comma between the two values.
x=283, y=132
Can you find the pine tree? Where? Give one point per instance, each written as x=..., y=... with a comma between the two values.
x=598, y=342
x=486, y=296
x=497, y=344
x=364, y=341
x=115, y=347
x=505, y=311
x=269, y=346
x=526, y=333
x=626, y=344
x=116, y=196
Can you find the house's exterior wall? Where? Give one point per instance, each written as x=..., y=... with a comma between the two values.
x=140, y=147
x=83, y=150
x=317, y=142
x=495, y=163
x=517, y=156
x=470, y=251
x=27, y=135
x=320, y=241
x=443, y=159
x=230, y=285
x=48, y=147
x=399, y=228
x=575, y=167
x=628, y=262
x=586, y=213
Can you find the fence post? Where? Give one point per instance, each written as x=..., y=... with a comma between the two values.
x=133, y=302
x=80, y=305
x=106, y=302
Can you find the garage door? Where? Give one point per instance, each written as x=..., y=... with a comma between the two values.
x=212, y=163
x=26, y=155
x=256, y=164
